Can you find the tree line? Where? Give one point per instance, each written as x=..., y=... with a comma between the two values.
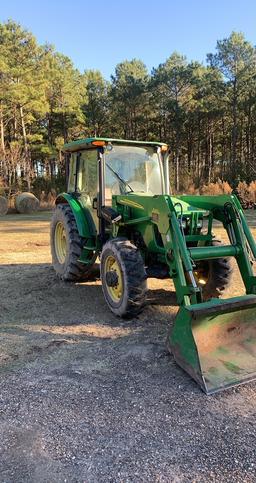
x=205, y=112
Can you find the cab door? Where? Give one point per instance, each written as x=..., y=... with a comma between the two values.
x=83, y=180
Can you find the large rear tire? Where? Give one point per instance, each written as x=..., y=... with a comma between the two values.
x=67, y=246
x=123, y=277
x=214, y=275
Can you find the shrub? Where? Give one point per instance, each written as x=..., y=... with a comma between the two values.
x=243, y=191
x=218, y=188
x=47, y=200
x=192, y=190
x=252, y=191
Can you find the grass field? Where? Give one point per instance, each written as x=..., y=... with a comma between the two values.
x=87, y=397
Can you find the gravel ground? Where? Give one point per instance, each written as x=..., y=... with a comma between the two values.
x=86, y=397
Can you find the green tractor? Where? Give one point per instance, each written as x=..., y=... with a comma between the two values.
x=117, y=207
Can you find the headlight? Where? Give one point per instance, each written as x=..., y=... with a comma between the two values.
x=183, y=222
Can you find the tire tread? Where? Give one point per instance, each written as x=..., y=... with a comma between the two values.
x=74, y=270
x=134, y=276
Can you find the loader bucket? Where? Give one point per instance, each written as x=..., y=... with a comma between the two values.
x=215, y=342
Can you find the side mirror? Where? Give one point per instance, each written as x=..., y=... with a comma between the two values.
x=95, y=203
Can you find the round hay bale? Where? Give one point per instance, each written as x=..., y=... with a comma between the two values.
x=3, y=205
x=26, y=203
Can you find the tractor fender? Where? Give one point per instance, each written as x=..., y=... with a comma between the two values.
x=84, y=221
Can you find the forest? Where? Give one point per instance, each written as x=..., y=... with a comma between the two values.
x=206, y=111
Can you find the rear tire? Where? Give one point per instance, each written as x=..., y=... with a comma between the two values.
x=67, y=246
x=216, y=274
x=123, y=277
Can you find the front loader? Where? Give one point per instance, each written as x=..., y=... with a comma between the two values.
x=117, y=207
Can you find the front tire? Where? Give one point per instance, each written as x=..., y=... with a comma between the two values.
x=67, y=246
x=214, y=275
x=123, y=277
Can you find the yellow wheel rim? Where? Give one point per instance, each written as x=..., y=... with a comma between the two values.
x=115, y=292
x=60, y=242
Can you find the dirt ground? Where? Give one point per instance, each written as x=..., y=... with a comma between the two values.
x=86, y=397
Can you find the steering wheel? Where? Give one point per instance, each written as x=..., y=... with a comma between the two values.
x=137, y=186
x=119, y=188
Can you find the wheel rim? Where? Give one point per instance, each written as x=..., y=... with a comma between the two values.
x=60, y=242
x=116, y=291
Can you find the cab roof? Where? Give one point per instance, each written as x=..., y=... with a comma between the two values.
x=87, y=143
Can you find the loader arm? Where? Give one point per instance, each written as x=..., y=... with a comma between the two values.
x=214, y=341
x=145, y=212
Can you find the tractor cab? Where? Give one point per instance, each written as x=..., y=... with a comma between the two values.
x=99, y=168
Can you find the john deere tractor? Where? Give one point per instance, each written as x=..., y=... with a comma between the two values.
x=117, y=207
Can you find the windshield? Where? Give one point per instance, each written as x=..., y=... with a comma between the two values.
x=133, y=168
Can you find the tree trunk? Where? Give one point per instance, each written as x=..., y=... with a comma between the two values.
x=15, y=123
x=26, y=152
x=64, y=128
x=234, y=131
x=210, y=152
x=3, y=163
x=50, y=135
x=23, y=127
x=2, y=129
x=199, y=150
x=223, y=149
x=177, y=171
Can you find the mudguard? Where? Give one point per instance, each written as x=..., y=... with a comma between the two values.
x=84, y=221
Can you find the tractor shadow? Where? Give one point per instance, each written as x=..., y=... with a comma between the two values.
x=30, y=291
x=155, y=296
x=161, y=297
x=41, y=316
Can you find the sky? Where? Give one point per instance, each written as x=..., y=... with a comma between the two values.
x=100, y=34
